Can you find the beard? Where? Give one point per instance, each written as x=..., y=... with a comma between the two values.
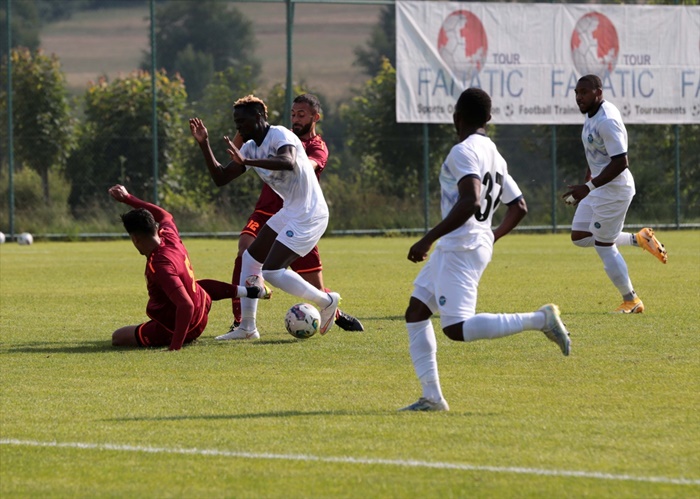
x=300, y=130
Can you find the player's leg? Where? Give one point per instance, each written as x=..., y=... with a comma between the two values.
x=125, y=337
x=422, y=344
x=460, y=274
x=608, y=220
x=580, y=234
x=310, y=268
x=295, y=238
x=219, y=290
x=251, y=265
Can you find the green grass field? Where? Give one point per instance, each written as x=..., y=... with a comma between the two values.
x=281, y=417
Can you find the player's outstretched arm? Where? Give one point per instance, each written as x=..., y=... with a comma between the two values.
x=119, y=193
x=221, y=175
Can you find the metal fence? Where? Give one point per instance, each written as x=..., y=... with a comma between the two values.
x=316, y=42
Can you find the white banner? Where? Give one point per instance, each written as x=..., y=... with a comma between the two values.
x=528, y=57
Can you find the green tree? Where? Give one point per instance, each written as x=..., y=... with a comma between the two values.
x=24, y=25
x=381, y=44
x=42, y=122
x=390, y=153
x=115, y=139
x=202, y=35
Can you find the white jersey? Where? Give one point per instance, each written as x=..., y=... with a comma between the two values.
x=604, y=135
x=299, y=187
x=476, y=156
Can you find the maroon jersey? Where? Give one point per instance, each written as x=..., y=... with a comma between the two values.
x=269, y=202
x=168, y=268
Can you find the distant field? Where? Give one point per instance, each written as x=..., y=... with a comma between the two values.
x=287, y=418
x=112, y=41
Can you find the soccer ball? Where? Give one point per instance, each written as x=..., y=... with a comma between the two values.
x=302, y=320
x=25, y=239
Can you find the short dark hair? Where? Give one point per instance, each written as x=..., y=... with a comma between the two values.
x=140, y=221
x=251, y=103
x=594, y=80
x=474, y=107
x=309, y=99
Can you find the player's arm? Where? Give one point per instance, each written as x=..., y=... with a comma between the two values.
x=467, y=204
x=516, y=211
x=221, y=175
x=119, y=193
x=183, y=316
x=285, y=159
x=318, y=155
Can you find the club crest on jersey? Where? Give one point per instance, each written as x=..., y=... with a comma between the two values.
x=590, y=138
x=290, y=233
x=597, y=225
x=442, y=300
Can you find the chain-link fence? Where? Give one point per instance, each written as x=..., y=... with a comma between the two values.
x=59, y=160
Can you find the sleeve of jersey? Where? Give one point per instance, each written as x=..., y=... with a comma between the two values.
x=316, y=151
x=511, y=191
x=463, y=162
x=613, y=134
x=159, y=214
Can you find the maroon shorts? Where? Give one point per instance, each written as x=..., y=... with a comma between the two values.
x=154, y=334
x=304, y=264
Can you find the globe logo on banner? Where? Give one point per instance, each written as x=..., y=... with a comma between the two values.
x=462, y=44
x=594, y=45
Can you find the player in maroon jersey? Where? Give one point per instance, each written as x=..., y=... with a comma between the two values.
x=178, y=304
x=306, y=112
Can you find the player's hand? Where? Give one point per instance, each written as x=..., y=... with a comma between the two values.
x=578, y=192
x=233, y=151
x=419, y=251
x=198, y=130
x=118, y=192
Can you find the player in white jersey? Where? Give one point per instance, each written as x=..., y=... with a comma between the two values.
x=278, y=157
x=602, y=201
x=474, y=180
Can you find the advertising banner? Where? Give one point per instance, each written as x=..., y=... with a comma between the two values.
x=528, y=57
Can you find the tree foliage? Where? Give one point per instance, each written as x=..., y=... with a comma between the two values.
x=115, y=141
x=381, y=44
x=390, y=153
x=197, y=38
x=42, y=122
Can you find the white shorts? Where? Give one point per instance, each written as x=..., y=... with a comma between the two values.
x=300, y=236
x=448, y=282
x=604, y=218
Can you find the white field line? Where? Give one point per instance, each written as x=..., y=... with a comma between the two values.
x=352, y=460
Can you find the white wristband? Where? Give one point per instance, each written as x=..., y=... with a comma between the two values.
x=590, y=186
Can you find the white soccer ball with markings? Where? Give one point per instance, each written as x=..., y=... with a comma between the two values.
x=302, y=320
x=25, y=239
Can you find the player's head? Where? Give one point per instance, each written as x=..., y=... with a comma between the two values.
x=589, y=93
x=473, y=109
x=250, y=116
x=306, y=111
x=141, y=226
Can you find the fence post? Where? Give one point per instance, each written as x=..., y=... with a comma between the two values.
x=677, y=176
x=554, y=178
x=154, y=102
x=426, y=176
x=289, y=90
x=10, y=139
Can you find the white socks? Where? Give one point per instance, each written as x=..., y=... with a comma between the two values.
x=626, y=239
x=423, y=348
x=292, y=283
x=492, y=326
x=249, y=306
x=616, y=268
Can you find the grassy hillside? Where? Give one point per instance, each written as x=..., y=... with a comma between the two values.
x=111, y=42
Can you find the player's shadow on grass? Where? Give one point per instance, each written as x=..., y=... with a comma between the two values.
x=63, y=347
x=258, y=415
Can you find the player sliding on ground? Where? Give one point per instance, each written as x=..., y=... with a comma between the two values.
x=278, y=157
x=474, y=180
x=178, y=304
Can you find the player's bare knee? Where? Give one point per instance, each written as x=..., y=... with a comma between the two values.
x=417, y=311
x=454, y=332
